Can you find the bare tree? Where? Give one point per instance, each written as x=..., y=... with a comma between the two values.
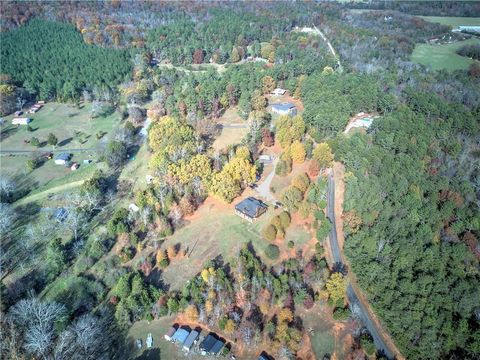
x=7, y=186
x=7, y=217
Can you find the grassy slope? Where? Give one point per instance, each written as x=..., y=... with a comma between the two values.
x=62, y=120
x=443, y=56
x=452, y=20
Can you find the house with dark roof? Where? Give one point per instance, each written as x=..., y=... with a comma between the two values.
x=217, y=347
x=284, y=109
x=250, y=209
x=264, y=356
x=207, y=344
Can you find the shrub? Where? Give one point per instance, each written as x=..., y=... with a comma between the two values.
x=341, y=314
x=301, y=182
x=285, y=219
x=272, y=252
x=367, y=344
x=269, y=232
x=31, y=164
x=34, y=142
x=291, y=244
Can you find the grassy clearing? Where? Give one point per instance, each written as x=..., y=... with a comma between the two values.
x=63, y=120
x=443, y=56
x=229, y=136
x=452, y=20
x=215, y=230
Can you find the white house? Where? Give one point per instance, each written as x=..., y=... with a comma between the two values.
x=279, y=91
x=62, y=159
x=21, y=121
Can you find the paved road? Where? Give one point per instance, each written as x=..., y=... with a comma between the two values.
x=355, y=304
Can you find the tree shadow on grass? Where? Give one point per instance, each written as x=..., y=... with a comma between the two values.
x=65, y=141
x=150, y=354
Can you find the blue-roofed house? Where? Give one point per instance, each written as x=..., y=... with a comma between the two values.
x=180, y=336
x=217, y=347
x=284, y=109
x=250, y=209
x=207, y=344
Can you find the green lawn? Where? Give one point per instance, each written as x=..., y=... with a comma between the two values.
x=452, y=20
x=63, y=120
x=443, y=56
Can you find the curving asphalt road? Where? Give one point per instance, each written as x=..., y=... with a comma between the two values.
x=355, y=304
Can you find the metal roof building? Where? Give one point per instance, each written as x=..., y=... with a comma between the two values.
x=190, y=340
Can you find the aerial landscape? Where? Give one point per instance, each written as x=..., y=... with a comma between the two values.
x=251, y=180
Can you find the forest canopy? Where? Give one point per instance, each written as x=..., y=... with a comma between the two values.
x=50, y=59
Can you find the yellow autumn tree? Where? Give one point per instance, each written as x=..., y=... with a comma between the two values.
x=268, y=84
x=191, y=312
x=336, y=287
x=207, y=273
x=297, y=152
x=208, y=307
x=323, y=154
x=285, y=315
x=229, y=327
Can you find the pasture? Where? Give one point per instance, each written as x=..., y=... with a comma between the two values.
x=443, y=56
x=77, y=133
x=452, y=21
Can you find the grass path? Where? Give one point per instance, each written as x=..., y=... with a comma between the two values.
x=43, y=194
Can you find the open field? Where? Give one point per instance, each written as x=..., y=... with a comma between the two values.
x=452, y=20
x=230, y=135
x=212, y=231
x=443, y=56
x=63, y=120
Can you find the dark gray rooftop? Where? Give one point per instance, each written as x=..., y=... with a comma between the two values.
x=217, y=347
x=208, y=343
x=250, y=206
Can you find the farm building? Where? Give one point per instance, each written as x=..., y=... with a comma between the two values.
x=74, y=166
x=171, y=331
x=284, y=109
x=21, y=121
x=62, y=159
x=190, y=340
x=279, y=91
x=18, y=113
x=180, y=336
x=207, y=344
x=250, y=209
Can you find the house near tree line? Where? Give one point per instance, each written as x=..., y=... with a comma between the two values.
x=250, y=209
x=21, y=121
x=284, y=109
x=279, y=91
